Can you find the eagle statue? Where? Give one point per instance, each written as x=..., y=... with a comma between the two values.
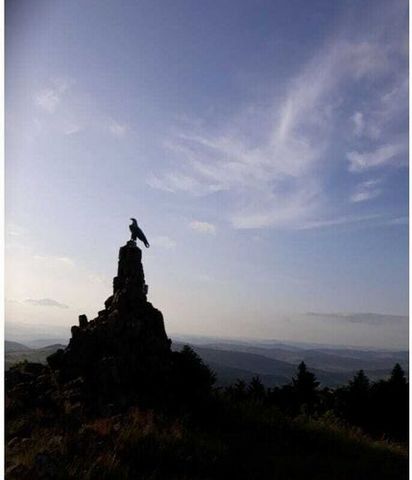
x=138, y=233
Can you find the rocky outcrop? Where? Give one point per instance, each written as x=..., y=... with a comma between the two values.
x=125, y=347
x=122, y=357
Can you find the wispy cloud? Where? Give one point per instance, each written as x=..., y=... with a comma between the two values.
x=383, y=155
x=343, y=220
x=176, y=181
x=15, y=230
x=203, y=227
x=273, y=164
x=384, y=110
x=358, y=123
x=46, y=302
x=71, y=128
x=118, y=130
x=50, y=259
x=77, y=109
x=366, y=191
x=376, y=319
x=49, y=98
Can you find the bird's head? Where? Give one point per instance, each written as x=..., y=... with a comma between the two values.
x=133, y=220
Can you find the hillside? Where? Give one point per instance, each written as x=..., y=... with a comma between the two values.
x=10, y=347
x=22, y=353
x=274, y=365
x=332, y=359
x=242, y=441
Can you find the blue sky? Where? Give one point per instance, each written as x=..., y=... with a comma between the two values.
x=262, y=146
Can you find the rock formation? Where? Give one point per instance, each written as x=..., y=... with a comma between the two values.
x=125, y=349
x=121, y=358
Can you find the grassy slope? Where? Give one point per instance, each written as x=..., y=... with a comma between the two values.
x=242, y=441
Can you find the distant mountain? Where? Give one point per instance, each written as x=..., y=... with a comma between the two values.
x=274, y=364
x=277, y=365
x=46, y=342
x=14, y=347
x=29, y=354
x=330, y=359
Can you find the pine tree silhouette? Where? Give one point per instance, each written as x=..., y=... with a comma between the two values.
x=357, y=400
x=305, y=388
x=256, y=389
x=191, y=380
x=360, y=383
x=397, y=378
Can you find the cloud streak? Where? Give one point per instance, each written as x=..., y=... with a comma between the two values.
x=376, y=319
x=203, y=227
x=279, y=180
x=366, y=191
x=383, y=155
x=54, y=260
x=46, y=302
x=118, y=130
x=50, y=98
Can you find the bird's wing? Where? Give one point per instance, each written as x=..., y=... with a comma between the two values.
x=142, y=236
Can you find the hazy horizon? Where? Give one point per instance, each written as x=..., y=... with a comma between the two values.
x=262, y=147
x=20, y=332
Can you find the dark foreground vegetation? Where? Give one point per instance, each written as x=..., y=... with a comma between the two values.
x=380, y=408
x=246, y=431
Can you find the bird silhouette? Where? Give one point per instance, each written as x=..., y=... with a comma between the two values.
x=138, y=233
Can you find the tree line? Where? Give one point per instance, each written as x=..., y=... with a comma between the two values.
x=379, y=408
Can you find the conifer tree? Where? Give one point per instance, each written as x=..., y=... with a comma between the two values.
x=256, y=389
x=397, y=378
x=305, y=386
x=360, y=384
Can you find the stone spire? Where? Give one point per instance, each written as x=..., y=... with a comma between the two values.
x=126, y=341
x=129, y=287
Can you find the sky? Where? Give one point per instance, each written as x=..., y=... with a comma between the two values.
x=261, y=145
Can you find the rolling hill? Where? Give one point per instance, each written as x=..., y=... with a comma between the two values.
x=275, y=365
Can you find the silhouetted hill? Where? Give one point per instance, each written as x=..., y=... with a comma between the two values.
x=29, y=354
x=326, y=358
x=274, y=365
x=14, y=347
x=243, y=362
x=46, y=342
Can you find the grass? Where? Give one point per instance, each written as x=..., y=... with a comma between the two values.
x=224, y=440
